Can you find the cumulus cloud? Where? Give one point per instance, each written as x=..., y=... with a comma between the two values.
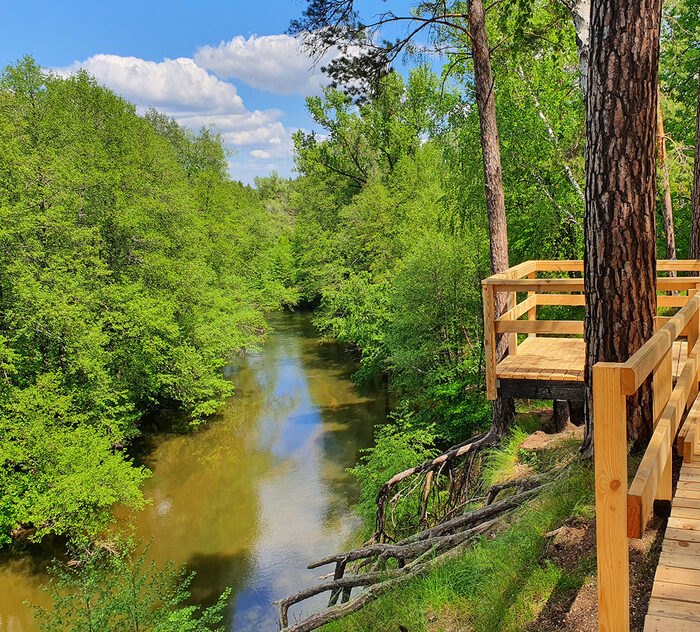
x=178, y=85
x=195, y=97
x=275, y=63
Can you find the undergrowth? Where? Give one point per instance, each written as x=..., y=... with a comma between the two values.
x=502, y=583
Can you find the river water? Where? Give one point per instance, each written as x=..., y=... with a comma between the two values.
x=249, y=500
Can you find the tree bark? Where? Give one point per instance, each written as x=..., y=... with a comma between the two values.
x=695, y=221
x=669, y=230
x=581, y=14
x=620, y=230
x=503, y=408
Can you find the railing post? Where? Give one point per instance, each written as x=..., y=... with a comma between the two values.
x=693, y=329
x=610, y=442
x=662, y=387
x=489, y=341
x=532, y=312
x=512, y=338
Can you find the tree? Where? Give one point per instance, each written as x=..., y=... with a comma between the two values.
x=620, y=254
x=121, y=592
x=669, y=230
x=695, y=222
x=327, y=23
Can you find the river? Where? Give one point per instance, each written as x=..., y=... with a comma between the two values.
x=251, y=498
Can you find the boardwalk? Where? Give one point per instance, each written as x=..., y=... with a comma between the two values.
x=549, y=364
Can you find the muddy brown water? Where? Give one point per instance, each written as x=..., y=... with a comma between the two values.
x=249, y=500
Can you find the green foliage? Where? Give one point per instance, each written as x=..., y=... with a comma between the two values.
x=119, y=593
x=501, y=584
x=397, y=447
x=500, y=462
x=131, y=270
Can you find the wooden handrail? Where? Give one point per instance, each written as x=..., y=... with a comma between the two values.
x=621, y=513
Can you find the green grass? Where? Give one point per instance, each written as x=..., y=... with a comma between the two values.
x=498, y=586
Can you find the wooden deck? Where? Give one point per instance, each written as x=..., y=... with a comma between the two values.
x=561, y=359
x=675, y=597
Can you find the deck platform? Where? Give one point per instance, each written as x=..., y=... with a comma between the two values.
x=552, y=368
x=675, y=597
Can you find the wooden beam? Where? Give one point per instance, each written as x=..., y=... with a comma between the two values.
x=515, y=272
x=489, y=341
x=662, y=387
x=646, y=359
x=610, y=440
x=536, y=285
x=521, y=308
x=541, y=389
x=654, y=469
x=562, y=327
x=561, y=299
x=562, y=265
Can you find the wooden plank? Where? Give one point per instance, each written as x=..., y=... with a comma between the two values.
x=536, y=285
x=682, y=535
x=644, y=361
x=521, y=308
x=654, y=623
x=489, y=342
x=671, y=301
x=673, y=609
x=610, y=438
x=680, y=501
x=676, y=575
x=680, y=560
x=686, y=524
x=663, y=385
x=678, y=265
x=559, y=265
x=532, y=312
x=680, y=592
x=687, y=549
x=561, y=299
x=561, y=327
x=542, y=389
x=516, y=272
x=682, y=511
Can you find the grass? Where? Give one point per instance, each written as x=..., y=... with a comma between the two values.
x=502, y=583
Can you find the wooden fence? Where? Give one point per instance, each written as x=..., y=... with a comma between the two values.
x=622, y=513
x=521, y=317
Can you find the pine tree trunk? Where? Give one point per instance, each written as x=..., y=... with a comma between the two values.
x=695, y=221
x=669, y=230
x=620, y=238
x=503, y=408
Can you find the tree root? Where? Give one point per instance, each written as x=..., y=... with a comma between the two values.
x=416, y=555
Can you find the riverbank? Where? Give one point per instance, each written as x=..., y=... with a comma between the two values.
x=248, y=499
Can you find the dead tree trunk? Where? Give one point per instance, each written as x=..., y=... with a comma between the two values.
x=503, y=408
x=669, y=230
x=620, y=237
x=695, y=222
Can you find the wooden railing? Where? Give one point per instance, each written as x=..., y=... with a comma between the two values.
x=535, y=292
x=622, y=513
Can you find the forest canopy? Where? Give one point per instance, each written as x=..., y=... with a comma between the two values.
x=132, y=269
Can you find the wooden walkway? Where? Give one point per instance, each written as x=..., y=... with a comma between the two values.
x=675, y=598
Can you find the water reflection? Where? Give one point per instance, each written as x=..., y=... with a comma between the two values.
x=250, y=499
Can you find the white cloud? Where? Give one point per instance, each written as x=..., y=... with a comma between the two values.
x=275, y=63
x=175, y=85
x=195, y=98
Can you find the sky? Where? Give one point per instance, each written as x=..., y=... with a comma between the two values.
x=226, y=63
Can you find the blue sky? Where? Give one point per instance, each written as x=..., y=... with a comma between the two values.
x=226, y=63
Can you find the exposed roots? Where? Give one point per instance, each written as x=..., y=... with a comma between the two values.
x=414, y=555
